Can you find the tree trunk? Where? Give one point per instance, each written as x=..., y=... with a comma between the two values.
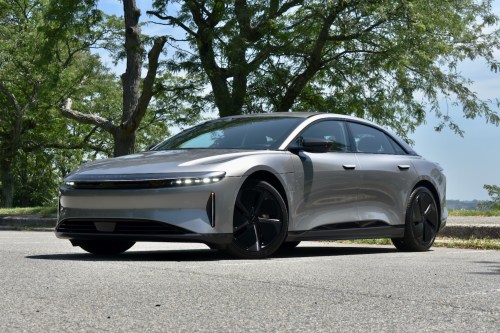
x=124, y=142
x=131, y=79
x=7, y=179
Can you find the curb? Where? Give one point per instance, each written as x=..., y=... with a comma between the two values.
x=27, y=222
x=470, y=231
x=452, y=230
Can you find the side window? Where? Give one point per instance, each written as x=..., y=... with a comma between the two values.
x=331, y=130
x=370, y=140
x=397, y=147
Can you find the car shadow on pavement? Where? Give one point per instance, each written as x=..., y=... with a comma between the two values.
x=186, y=255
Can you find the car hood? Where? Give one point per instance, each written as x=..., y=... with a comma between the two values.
x=169, y=161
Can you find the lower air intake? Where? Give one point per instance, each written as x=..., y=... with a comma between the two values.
x=122, y=227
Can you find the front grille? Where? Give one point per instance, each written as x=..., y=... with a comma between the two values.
x=158, y=183
x=122, y=227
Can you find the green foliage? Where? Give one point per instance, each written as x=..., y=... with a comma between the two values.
x=388, y=61
x=42, y=63
x=494, y=193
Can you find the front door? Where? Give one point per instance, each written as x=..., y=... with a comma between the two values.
x=327, y=183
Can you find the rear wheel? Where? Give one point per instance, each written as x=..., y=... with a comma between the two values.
x=260, y=221
x=105, y=247
x=422, y=222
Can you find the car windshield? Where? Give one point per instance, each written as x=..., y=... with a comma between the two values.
x=234, y=133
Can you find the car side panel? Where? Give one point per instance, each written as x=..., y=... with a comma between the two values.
x=326, y=193
x=385, y=185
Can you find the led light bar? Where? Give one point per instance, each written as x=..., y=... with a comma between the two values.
x=196, y=181
x=142, y=181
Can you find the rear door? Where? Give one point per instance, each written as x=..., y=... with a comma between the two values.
x=386, y=174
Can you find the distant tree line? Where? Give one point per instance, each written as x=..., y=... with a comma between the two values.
x=388, y=61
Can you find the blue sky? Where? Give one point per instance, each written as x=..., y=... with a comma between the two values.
x=469, y=162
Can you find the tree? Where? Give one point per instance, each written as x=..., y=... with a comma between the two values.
x=37, y=69
x=386, y=60
x=135, y=101
x=494, y=193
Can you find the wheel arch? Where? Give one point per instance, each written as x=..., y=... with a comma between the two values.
x=274, y=181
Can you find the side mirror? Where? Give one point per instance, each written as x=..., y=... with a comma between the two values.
x=312, y=145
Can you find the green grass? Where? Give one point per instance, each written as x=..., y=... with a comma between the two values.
x=460, y=212
x=43, y=211
x=473, y=243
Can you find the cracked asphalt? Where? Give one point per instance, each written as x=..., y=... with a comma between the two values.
x=46, y=285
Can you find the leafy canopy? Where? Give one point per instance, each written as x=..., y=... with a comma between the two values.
x=389, y=61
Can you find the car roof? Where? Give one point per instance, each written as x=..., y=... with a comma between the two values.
x=304, y=115
x=294, y=115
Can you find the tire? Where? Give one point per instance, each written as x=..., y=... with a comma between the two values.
x=260, y=221
x=421, y=222
x=289, y=245
x=105, y=247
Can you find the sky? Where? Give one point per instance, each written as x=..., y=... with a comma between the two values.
x=468, y=162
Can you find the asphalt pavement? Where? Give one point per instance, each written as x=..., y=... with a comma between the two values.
x=49, y=286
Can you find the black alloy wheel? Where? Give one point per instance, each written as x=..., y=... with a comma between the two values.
x=105, y=247
x=260, y=221
x=422, y=222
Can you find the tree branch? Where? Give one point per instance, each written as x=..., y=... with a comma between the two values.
x=147, y=88
x=173, y=20
x=84, y=118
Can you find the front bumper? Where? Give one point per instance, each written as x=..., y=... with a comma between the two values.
x=198, y=213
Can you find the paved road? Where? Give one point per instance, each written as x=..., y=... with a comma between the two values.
x=47, y=285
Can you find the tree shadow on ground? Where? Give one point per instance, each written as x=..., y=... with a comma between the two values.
x=493, y=267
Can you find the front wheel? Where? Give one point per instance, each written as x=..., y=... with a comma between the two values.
x=260, y=221
x=422, y=222
x=105, y=247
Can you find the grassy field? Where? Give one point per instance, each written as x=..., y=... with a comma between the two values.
x=473, y=243
x=474, y=212
x=42, y=211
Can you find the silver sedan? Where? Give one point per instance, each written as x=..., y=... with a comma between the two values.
x=251, y=184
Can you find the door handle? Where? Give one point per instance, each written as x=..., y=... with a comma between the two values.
x=403, y=167
x=349, y=166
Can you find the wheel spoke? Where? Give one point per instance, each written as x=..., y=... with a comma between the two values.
x=258, y=202
x=427, y=211
x=255, y=246
x=416, y=210
x=275, y=223
x=418, y=230
x=269, y=221
x=429, y=231
x=241, y=227
x=241, y=207
x=245, y=232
